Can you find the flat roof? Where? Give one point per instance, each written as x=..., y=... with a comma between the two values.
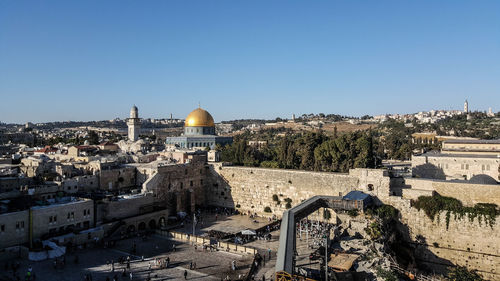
x=342, y=261
x=71, y=200
x=356, y=195
x=452, y=155
x=474, y=141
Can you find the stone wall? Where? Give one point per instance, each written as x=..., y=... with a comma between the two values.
x=464, y=243
x=68, y=214
x=14, y=228
x=114, y=179
x=468, y=193
x=473, y=244
x=252, y=189
x=109, y=210
x=443, y=166
x=180, y=187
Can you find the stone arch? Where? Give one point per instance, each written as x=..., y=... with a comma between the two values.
x=131, y=228
x=162, y=222
x=142, y=226
x=152, y=224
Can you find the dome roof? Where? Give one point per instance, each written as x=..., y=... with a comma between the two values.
x=134, y=112
x=199, y=118
x=482, y=179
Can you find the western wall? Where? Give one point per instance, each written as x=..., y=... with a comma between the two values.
x=252, y=189
x=469, y=243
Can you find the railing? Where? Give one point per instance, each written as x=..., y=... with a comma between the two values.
x=221, y=246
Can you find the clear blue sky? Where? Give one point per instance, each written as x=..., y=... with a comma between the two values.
x=92, y=60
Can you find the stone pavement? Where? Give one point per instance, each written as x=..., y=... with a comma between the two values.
x=94, y=261
x=236, y=223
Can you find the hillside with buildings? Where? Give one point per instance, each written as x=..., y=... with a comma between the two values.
x=95, y=188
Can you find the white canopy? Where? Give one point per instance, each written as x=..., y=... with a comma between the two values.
x=248, y=232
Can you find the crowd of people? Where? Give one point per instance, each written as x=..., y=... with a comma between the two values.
x=315, y=231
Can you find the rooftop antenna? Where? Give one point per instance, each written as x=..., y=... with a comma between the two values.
x=199, y=105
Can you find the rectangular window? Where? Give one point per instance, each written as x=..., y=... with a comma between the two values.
x=462, y=166
x=17, y=225
x=22, y=224
x=191, y=183
x=68, y=216
x=467, y=166
x=55, y=218
x=487, y=167
x=2, y=228
x=50, y=219
x=72, y=215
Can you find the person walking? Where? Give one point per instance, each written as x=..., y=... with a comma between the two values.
x=131, y=275
x=185, y=274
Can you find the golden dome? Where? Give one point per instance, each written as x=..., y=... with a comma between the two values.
x=199, y=118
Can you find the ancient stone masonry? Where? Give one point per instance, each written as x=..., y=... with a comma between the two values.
x=254, y=189
x=468, y=193
x=179, y=187
x=472, y=244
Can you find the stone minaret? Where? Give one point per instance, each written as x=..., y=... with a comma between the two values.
x=134, y=124
x=466, y=106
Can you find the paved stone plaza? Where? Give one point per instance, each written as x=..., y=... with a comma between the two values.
x=94, y=261
x=209, y=265
x=236, y=223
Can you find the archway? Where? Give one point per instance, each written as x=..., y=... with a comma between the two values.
x=152, y=224
x=162, y=222
x=130, y=229
x=142, y=226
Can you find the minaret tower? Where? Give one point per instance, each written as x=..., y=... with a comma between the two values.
x=466, y=106
x=134, y=124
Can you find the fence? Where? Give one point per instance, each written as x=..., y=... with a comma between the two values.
x=220, y=246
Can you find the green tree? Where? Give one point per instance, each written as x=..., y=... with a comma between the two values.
x=93, y=138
